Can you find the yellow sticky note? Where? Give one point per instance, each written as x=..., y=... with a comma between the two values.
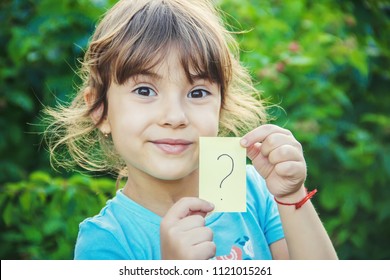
x=222, y=173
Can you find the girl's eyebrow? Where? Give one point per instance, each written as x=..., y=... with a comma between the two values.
x=193, y=78
x=202, y=77
x=149, y=74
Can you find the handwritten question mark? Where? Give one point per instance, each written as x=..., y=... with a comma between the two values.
x=231, y=171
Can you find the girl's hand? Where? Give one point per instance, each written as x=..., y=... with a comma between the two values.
x=183, y=233
x=278, y=157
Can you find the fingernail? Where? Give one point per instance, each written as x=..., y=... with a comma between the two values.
x=243, y=142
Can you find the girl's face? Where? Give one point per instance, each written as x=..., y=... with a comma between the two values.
x=156, y=120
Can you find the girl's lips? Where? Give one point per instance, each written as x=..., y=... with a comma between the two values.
x=172, y=146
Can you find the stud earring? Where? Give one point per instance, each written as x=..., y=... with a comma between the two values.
x=105, y=134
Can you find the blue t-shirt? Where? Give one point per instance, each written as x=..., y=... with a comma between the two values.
x=126, y=230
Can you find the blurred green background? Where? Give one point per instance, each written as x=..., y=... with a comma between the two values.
x=325, y=63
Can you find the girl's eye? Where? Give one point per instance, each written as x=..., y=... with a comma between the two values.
x=198, y=93
x=145, y=91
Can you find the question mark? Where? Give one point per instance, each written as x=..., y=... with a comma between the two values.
x=231, y=171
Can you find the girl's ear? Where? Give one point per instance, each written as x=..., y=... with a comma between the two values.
x=89, y=98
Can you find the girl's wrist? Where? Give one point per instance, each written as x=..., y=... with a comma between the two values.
x=297, y=199
x=292, y=197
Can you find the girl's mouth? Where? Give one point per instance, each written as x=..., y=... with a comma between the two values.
x=172, y=146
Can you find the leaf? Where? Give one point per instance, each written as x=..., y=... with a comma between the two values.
x=342, y=236
x=328, y=200
x=21, y=99
x=300, y=61
x=348, y=209
x=359, y=61
x=40, y=177
x=8, y=214
x=25, y=201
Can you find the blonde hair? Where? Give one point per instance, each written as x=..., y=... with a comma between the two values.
x=132, y=38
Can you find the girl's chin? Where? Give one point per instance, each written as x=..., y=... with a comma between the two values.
x=173, y=174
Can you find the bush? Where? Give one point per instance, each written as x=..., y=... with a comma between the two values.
x=41, y=43
x=324, y=63
x=40, y=216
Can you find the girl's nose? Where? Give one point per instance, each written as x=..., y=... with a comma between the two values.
x=174, y=113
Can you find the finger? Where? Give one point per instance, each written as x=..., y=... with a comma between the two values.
x=185, y=207
x=260, y=133
x=285, y=153
x=276, y=140
x=191, y=222
x=203, y=251
x=197, y=235
x=253, y=151
x=292, y=169
x=262, y=165
x=198, y=213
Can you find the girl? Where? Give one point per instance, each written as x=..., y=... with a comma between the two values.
x=158, y=74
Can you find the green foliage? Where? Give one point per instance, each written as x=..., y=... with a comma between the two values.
x=324, y=62
x=40, y=216
x=41, y=43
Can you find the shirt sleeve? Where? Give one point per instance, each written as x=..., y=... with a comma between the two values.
x=96, y=243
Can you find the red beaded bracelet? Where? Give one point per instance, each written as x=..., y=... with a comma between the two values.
x=300, y=203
